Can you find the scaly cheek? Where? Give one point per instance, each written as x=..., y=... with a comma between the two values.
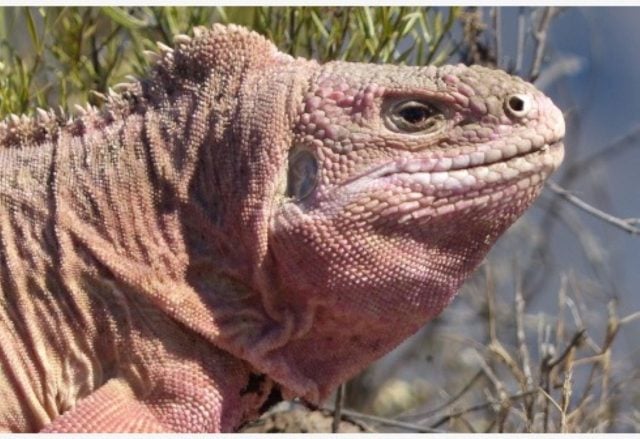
x=369, y=272
x=371, y=263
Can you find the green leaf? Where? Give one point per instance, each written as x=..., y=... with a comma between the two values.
x=31, y=26
x=410, y=22
x=371, y=30
x=121, y=17
x=319, y=25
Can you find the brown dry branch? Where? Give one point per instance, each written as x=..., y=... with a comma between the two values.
x=523, y=350
x=547, y=399
x=477, y=407
x=521, y=40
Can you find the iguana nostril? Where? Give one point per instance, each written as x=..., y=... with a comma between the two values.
x=518, y=105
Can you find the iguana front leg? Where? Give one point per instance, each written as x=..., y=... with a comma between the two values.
x=112, y=408
x=184, y=396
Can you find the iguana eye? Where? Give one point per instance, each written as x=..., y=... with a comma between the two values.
x=413, y=117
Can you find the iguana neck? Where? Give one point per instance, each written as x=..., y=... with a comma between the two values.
x=141, y=203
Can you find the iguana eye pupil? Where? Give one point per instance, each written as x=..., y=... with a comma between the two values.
x=415, y=114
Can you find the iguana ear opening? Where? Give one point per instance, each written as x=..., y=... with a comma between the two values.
x=302, y=173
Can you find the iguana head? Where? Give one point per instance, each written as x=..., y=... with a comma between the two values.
x=399, y=180
x=345, y=203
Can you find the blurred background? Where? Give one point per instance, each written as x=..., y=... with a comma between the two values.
x=544, y=336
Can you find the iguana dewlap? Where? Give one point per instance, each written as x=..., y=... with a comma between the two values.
x=242, y=224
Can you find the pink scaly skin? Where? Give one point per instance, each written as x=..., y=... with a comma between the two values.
x=242, y=225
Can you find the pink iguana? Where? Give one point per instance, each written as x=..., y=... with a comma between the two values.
x=242, y=225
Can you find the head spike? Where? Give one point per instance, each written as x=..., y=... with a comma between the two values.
x=42, y=114
x=122, y=87
x=163, y=47
x=98, y=95
x=181, y=39
x=199, y=31
x=80, y=110
x=151, y=56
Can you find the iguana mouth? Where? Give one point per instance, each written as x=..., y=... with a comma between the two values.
x=462, y=162
x=484, y=178
x=463, y=169
x=438, y=188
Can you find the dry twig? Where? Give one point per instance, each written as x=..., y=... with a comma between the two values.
x=627, y=225
x=540, y=35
